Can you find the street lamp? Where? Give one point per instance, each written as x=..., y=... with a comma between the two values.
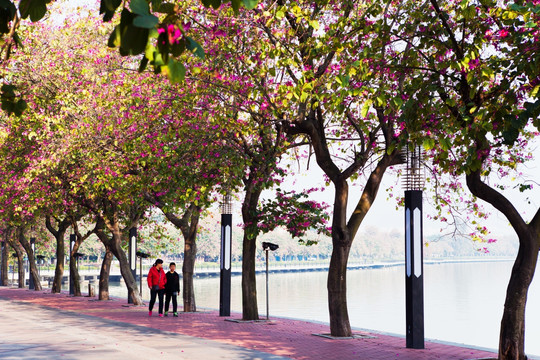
x=132, y=256
x=41, y=261
x=72, y=239
x=413, y=184
x=141, y=256
x=266, y=247
x=31, y=284
x=225, y=257
x=4, y=261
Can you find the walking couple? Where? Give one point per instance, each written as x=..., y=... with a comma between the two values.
x=160, y=284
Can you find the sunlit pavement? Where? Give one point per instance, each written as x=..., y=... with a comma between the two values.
x=41, y=325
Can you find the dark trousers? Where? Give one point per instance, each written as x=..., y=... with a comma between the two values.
x=168, y=300
x=159, y=294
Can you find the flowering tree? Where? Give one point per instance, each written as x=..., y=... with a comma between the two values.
x=475, y=100
x=326, y=83
x=140, y=24
x=231, y=79
x=196, y=163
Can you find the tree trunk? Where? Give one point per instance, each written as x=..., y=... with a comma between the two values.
x=104, y=275
x=337, y=271
x=20, y=268
x=125, y=270
x=74, y=271
x=31, y=260
x=20, y=261
x=4, y=265
x=250, y=310
x=188, y=267
x=512, y=335
x=59, y=269
x=188, y=224
x=60, y=251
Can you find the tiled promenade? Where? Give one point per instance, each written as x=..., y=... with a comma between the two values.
x=41, y=325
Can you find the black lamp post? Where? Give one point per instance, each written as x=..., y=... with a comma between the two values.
x=31, y=284
x=414, y=267
x=141, y=256
x=225, y=257
x=266, y=247
x=72, y=239
x=132, y=256
x=3, y=254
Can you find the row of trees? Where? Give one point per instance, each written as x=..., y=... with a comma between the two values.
x=354, y=81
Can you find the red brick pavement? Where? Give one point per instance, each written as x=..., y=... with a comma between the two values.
x=285, y=337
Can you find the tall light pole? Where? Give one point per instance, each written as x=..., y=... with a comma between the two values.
x=31, y=284
x=266, y=247
x=225, y=257
x=3, y=264
x=141, y=256
x=132, y=256
x=72, y=239
x=414, y=267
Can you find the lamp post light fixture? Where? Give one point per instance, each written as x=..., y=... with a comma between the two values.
x=141, y=256
x=413, y=184
x=225, y=257
x=266, y=247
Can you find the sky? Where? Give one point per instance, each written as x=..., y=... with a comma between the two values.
x=384, y=214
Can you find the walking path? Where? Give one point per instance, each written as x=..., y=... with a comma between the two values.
x=41, y=325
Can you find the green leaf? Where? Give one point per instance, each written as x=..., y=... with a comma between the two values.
x=366, y=107
x=36, y=9
x=166, y=8
x=429, y=144
x=131, y=39
x=236, y=5
x=250, y=4
x=450, y=102
x=213, y=3
x=195, y=47
x=139, y=7
x=175, y=71
x=108, y=8
x=9, y=6
x=146, y=21
x=445, y=144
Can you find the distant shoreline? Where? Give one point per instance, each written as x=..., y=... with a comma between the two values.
x=305, y=266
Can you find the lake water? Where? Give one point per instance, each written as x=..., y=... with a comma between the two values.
x=463, y=301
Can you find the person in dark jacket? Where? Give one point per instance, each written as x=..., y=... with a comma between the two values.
x=156, y=283
x=172, y=288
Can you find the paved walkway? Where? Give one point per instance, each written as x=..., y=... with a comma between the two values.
x=41, y=325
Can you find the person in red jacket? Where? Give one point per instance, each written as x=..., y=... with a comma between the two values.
x=156, y=282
